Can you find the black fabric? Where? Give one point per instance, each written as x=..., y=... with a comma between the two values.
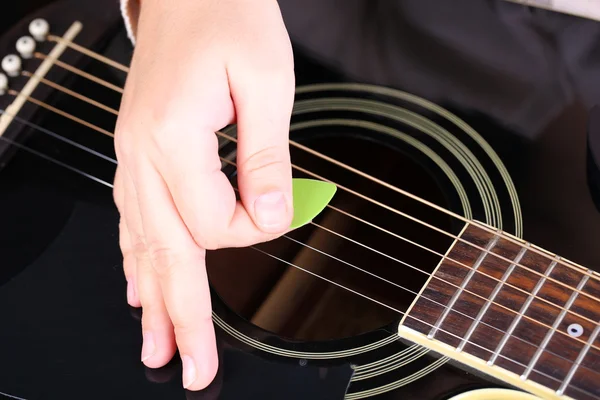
x=593, y=161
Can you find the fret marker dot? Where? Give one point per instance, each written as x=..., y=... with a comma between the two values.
x=575, y=330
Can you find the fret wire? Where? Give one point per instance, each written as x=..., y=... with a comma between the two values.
x=467, y=279
x=60, y=112
x=403, y=214
x=126, y=69
x=550, y=333
x=300, y=268
x=522, y=311
x=414, y=318
x=490, y=300
x=578, y=362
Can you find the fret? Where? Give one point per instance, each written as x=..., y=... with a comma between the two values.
x=492, y=297
x=550, y=333
x=522, y=312
x=465, y=282
x=579, y=360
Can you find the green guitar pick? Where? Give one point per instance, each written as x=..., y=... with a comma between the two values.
x=310, y=198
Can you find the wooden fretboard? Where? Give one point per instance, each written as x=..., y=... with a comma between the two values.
x=530, y=320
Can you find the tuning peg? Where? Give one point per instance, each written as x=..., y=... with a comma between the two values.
x=11, y=64
x=39, y=29
x=3, y=84
x=26, y=47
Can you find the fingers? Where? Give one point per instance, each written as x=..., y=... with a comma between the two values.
x=203, y=196
x=158, y=345
x=263, y=107
x=129, y=266
x=180, y=266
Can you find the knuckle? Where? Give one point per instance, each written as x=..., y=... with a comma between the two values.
x=265, y=161
x=138, y=248
x=206, y=241
x=185, y=326
x=123, y=143
x=279, y=81
x=163, y=259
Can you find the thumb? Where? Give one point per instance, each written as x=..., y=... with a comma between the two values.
x=263, y=109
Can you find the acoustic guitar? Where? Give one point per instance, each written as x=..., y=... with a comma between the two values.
x=456, y=260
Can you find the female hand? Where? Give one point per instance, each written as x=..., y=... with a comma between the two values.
x=198, y=66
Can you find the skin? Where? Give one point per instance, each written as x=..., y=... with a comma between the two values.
x=197, y=67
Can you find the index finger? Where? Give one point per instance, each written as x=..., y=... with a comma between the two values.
x=181, y=268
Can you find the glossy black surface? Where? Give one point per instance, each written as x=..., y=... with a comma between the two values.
x=523, y=78
x=594, y=155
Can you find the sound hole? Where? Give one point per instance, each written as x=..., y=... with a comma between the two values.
x=292, y=303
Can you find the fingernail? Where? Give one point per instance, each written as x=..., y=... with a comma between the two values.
x=189, y=371
x=270, y=209
x=148, y=346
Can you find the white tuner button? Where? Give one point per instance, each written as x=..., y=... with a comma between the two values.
x=3, y=83
x=26, y=46
x=39, y=29
x=11, y=64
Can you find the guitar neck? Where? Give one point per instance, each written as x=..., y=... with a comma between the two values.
x=513, y=311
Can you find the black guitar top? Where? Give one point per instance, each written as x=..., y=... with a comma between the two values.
x=488, y=112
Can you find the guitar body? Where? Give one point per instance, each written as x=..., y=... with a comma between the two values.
x=67, y=331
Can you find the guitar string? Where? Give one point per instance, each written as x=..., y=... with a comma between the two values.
x=561, y=263
x=503, y=235
x=429, y=275
x=551, y=258
x=460, y=239
x=444, y=257
x=368, y=272
x=77, y=71
x=58, y=137
x=53, y=134
x=38, y=102
x=441, y=329
x=35, y=101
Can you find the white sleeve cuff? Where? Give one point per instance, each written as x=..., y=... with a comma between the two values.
x=130, y=10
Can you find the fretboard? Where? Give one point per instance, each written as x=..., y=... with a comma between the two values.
x=496, y=304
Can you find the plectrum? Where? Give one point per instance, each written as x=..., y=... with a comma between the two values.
x=310, y=198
